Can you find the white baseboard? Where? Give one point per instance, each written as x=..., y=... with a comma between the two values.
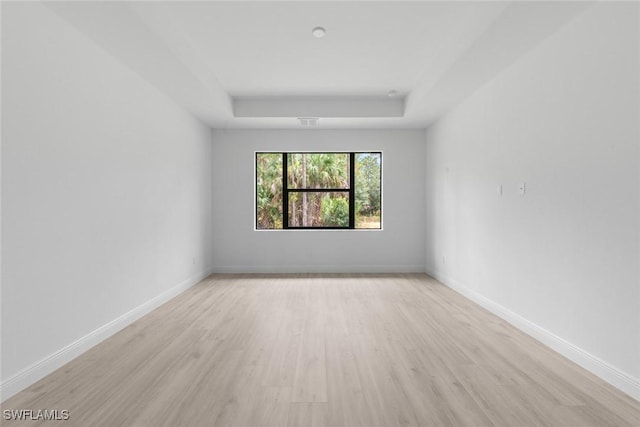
x=44, y=367
x=609, y=373
x=285, y=269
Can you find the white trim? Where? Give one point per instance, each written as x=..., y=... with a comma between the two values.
x=44, y=367
x=329, y=268
x=609, y=373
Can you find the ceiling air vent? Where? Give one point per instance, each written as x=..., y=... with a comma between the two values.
x=308, y=121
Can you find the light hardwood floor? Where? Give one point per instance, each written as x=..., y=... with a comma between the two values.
x=324, y=350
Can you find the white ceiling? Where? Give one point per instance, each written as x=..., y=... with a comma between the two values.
x=268, y=49
x=205, y=54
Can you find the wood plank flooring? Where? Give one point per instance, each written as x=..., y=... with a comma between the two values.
x=324, y=350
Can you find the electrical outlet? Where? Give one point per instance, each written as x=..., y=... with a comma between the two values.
x=522, y=188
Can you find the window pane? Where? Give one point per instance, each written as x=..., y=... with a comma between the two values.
x=268, y=190
x=318, y=170
x=367, y=191
x=319, y=209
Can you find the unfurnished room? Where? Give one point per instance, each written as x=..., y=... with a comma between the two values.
x=320, y=213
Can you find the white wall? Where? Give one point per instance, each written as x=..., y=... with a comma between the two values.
x=239, y=248
x=106, y=194
x=562, y=261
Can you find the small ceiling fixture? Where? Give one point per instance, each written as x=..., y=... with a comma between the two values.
x=318, y=32
x=392, y=93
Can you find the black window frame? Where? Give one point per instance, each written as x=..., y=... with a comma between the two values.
x=286, y=190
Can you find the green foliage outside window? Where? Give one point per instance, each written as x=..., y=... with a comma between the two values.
x=335, y=211
x=318, y=190
x=269, y=190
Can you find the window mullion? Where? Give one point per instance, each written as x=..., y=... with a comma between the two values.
x=352, y=191
x=285, y=191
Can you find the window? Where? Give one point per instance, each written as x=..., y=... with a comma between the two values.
x=318, y=190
